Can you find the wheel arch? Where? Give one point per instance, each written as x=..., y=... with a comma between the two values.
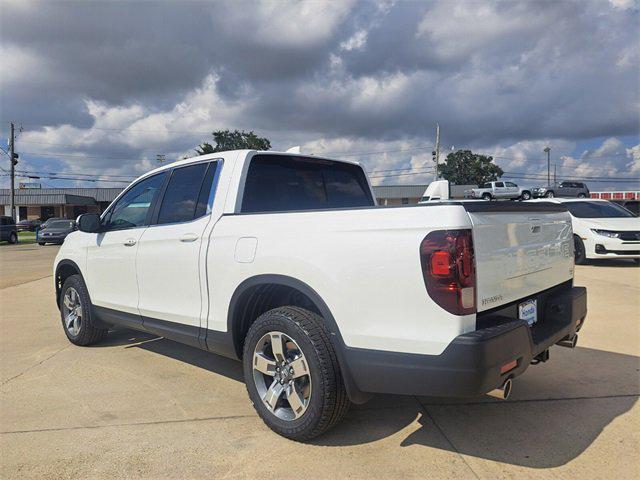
x=64, y=270
x=262, y=293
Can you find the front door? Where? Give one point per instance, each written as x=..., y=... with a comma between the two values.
x=111, y=254
x=171, y=254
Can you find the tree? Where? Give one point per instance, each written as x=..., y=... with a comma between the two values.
x=236, y=140
x=467, y=168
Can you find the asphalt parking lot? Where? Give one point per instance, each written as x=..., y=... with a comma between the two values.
x=144, y=407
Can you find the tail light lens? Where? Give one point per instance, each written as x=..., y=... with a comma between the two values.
x=448, y=269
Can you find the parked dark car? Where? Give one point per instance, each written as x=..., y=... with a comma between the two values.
x=8, y=230
x=56, y=231
x=49, y=220
x=632, y=205
x=28, y=225
x=562, y=189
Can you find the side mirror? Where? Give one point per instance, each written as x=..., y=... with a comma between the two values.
x=89, y=222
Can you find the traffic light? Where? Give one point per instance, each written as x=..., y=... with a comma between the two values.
x=433, y=156
x=15, y=158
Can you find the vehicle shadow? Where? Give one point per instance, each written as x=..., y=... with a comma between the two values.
x=555, y=413
x=558, y=409
x=178, y=351
x=624, y=263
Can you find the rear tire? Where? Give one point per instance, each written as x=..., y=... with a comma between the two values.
x=582, y=195
x=525, y=195
x=76, y=313
x=579, y=251
x=13, y=238
x=550, y=194
x=305, y=370
x=486, y=196
x=41, y=244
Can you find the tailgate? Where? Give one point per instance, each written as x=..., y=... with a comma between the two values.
x=520, y=250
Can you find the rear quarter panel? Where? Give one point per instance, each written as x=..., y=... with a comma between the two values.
x=364, y=263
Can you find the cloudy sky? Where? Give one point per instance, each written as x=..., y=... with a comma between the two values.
x=103, y=87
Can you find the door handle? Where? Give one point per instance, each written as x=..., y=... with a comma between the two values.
x=189, y=237
x=129, y=242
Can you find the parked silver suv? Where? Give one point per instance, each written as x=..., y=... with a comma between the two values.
x=562, y=189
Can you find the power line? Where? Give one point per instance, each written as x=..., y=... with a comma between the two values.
x=77, y=174
x=57, y=177
x=362, y=154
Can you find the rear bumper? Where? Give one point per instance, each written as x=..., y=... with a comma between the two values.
x=470, y=365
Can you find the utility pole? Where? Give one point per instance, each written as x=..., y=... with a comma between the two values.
x=554, y=172
x=437, y=148
x=548, y=150
x=12, y=159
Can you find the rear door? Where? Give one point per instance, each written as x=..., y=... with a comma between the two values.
x=520, y=250
x=512, y=189
x=500, y=191
x=171, y=253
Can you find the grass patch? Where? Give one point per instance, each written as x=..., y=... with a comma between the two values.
x=26, y=237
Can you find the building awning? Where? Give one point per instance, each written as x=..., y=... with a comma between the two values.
x=23, y=199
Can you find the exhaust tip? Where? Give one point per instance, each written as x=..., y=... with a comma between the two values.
x=503, y=392
x=569, y=341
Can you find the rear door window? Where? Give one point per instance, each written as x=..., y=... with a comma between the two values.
x=280, y=183
x=181, y=196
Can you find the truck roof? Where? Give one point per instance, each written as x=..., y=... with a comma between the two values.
x=235, y=155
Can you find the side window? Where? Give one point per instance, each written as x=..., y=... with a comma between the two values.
x=132, y=210
x=499, y=184
x=510, y=184
x=181, y=196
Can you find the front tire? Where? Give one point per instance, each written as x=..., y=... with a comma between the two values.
x=579, y=251
x=13, y=238
x=292, y=373
x=550, y=195
x=582, y=195
x=42, y=244
x=76, y=311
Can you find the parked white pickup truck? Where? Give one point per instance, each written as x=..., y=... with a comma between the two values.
x=492, y=190
x=286, y=263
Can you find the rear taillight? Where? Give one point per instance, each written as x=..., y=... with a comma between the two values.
x=449, y=272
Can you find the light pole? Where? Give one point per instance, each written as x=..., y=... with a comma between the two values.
x=548, y=150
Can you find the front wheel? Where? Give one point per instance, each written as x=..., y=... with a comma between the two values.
x=550, y=195
x=41, y=244
x=582, y=195
x=579, y=251
x=75, y=313
x=13, y=238
x=292, y=373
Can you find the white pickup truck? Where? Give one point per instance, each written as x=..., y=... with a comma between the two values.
x=495, y=190
x=285, y=262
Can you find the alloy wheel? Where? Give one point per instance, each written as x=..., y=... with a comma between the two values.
x=72, y=311
x=282, y=376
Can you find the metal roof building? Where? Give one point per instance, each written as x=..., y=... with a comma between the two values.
x=43, y=203
x=98, y=194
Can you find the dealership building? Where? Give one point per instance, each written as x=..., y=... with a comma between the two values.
x=43, y=203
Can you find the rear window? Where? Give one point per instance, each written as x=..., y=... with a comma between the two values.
x=279, y=183
x=597, y=210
